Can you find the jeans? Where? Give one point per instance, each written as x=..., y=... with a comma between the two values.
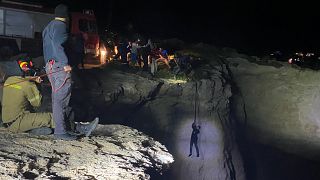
x=61, y=93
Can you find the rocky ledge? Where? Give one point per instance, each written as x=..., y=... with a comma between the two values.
x=113, y=152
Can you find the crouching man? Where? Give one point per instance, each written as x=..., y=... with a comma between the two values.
x=21, y=96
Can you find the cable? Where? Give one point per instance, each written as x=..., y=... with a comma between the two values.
x=32, y=78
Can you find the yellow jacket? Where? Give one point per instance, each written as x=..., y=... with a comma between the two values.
x=17, y=98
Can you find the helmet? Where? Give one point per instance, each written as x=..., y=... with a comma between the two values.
x=26, y=66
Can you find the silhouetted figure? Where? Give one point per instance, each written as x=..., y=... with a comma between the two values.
x=145, y=51
x=75, y=51
x=194, y=138
x=123, y=50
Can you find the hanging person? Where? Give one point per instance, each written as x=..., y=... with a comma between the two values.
x=194, y=138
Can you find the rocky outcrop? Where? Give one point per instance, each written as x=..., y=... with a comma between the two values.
x=278, y=105
x=113, y=152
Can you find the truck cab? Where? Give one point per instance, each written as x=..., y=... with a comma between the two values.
x=85, y=24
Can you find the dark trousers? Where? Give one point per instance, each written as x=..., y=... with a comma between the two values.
x=145, y=62
x=195, y=142
x=61, y=93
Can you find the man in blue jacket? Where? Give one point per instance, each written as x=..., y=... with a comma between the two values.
x=54, y=36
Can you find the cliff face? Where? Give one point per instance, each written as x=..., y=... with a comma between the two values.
x=278, y=105
x=113, y=152
x=275, y=107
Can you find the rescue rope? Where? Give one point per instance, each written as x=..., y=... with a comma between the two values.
x=196, y=105
x=49, y=76
x=32, y=78
x=197, y=121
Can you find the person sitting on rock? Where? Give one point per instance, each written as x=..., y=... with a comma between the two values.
x=20, y=98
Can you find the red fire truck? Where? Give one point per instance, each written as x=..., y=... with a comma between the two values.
x=85, y=23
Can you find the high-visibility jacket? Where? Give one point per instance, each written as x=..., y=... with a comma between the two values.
x=17, y=98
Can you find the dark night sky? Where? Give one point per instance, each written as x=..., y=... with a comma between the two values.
x=253, y=25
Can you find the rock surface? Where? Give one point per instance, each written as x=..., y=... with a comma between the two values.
x=113, y=152
x=278, y=105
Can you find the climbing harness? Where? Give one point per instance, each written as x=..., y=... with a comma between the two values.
x=51, y=62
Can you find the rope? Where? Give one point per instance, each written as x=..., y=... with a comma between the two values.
x=196, y=105
x=32, y=78
x=64, y=81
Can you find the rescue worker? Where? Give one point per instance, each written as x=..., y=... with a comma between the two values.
x=20, y=97
x=54, y=37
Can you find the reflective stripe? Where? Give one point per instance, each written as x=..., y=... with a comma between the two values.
x=37, y=97
x=13, y=86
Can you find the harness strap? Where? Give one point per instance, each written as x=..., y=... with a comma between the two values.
x=51, y=63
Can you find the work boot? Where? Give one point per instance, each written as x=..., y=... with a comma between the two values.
x=41, y=131
x=65, y=137
x=86, y=129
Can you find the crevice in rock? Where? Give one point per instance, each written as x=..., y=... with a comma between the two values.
x=54, y=176
x=227, y=122
x=114, y=96
x=8, y=155
x=29, y=175
x=99, y=146
x=240, y=131
x=151, y=96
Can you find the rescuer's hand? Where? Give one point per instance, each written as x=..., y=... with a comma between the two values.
x=67, y=68
x=38, y=79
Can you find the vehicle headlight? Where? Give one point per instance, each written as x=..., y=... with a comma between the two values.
x=103, y=54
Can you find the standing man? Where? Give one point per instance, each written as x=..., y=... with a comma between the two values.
x=54, y=36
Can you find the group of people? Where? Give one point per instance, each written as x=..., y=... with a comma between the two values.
x=148, y=56
x=142, y=53
x=21, y=94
